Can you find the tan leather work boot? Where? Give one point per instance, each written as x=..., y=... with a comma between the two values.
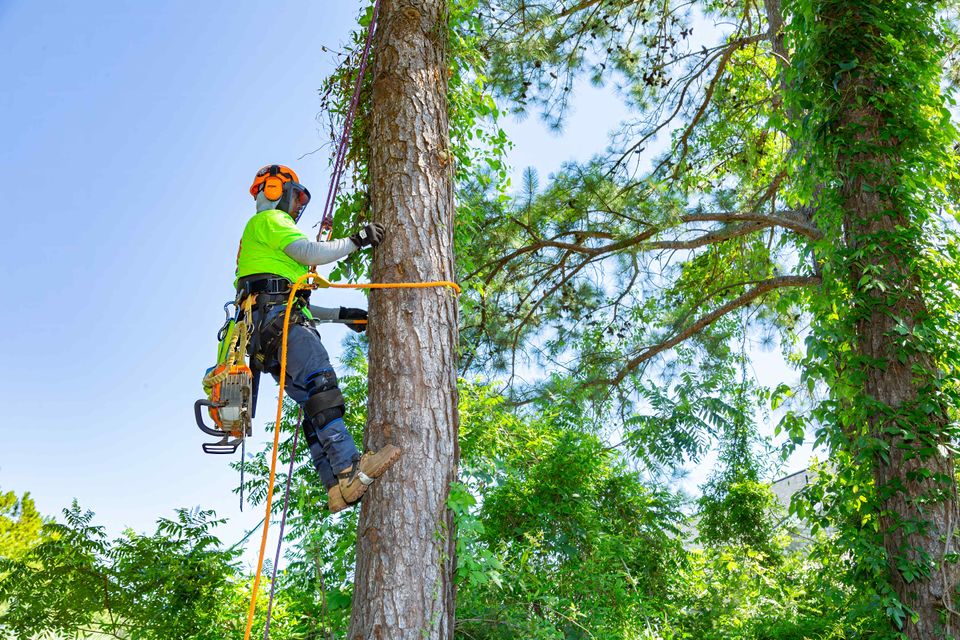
x=354, y=480
x=335, y=501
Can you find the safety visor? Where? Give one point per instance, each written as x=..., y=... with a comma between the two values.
x=299, y=198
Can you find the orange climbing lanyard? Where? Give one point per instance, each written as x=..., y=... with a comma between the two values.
x=308, y=281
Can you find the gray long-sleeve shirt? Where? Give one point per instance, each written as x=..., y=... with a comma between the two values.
x=313, y=253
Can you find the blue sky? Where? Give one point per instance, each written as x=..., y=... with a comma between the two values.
x=133, y=135
x=131, y=132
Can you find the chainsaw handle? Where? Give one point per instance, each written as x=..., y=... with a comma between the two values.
x=219, y=447
x=198, y=413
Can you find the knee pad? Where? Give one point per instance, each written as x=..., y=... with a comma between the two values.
x=325, y=403
x=321, y=380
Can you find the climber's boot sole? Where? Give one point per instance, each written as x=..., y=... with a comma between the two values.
x=371, y=466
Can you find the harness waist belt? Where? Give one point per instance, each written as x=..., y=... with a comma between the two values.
x=267, y=284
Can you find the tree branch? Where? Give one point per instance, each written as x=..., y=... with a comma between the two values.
x=708, y=95
x=741, y=301
x=733, y=231
x=786, y=219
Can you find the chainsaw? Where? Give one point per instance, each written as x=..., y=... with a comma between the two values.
x=230, y=386
x=229, y=406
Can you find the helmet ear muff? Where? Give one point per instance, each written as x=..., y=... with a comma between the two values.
x=273, y=188
x=270, y=180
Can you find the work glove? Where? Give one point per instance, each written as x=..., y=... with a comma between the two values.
x=348, y=315
x=370, y=236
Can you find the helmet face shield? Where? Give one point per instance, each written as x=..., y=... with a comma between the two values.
x=294, y=199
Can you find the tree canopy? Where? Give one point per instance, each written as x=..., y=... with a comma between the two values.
x=786, y=177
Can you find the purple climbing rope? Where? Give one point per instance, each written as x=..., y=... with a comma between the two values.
x=326, y=222
x=283, y=521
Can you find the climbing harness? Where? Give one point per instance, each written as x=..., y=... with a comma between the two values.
x=231, y=385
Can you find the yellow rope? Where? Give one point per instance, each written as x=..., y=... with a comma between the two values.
x=390, y=285
x=319, y=282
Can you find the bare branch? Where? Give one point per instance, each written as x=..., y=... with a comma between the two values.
x=795, y=221
x=580, y=6
x=734, y=231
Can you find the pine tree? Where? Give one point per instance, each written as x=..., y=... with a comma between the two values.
x=405, y=537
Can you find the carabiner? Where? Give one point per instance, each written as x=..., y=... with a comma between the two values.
x=221, y=334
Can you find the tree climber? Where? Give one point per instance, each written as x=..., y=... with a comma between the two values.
x=273, y=254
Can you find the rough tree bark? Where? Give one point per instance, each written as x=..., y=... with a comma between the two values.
x=916, y=482
x=405, y=539
x=920, y=510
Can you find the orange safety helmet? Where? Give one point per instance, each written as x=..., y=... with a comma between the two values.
x=270, y=181
x=281, y=184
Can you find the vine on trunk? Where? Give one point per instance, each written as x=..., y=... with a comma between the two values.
x=877, y=158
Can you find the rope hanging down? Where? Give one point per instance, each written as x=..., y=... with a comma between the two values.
x=283, y=522
x=326, y=222
x=319, y=282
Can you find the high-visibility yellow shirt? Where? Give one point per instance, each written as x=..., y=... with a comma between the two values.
x=265, y=237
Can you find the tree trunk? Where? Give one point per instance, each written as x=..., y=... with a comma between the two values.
x=405, y=538
x=916, y=480
x=914, y=471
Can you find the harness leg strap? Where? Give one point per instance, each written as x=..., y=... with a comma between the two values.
x=324, y=407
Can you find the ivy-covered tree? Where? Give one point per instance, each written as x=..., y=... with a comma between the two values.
x=787, y=173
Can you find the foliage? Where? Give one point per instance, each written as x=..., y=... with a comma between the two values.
x=178, y=582
x=582, y=542
x=738, y=593
x=614, y=264
x=20, y=525
x=737, y=510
